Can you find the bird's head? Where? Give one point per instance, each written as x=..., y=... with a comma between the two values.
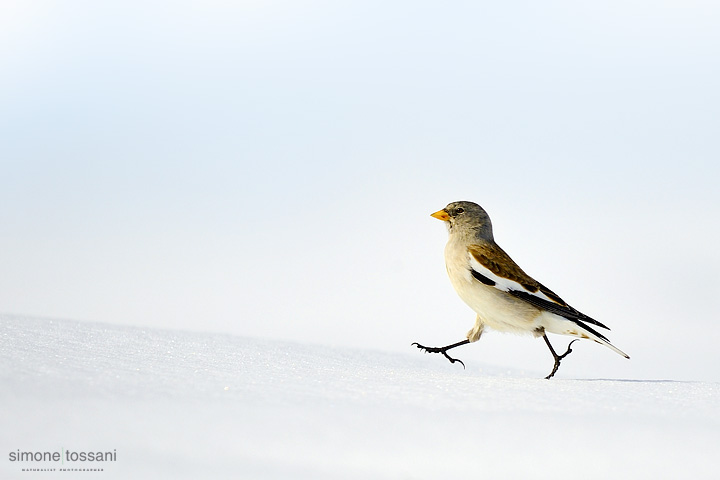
x=466, y=218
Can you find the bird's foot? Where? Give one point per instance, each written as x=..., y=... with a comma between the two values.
x=442, y=350
x=559, y=357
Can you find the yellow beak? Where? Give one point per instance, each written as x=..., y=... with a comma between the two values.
x=441, y=215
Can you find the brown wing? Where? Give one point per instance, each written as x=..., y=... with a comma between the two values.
x=497, y=261
x=525, y=288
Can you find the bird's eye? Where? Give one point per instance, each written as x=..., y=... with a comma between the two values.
x=459, y=210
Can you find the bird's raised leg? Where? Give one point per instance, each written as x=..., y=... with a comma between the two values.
x=556, y=356
x=444, y=350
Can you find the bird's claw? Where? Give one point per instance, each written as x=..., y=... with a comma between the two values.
x=442, y=350
x=559, y=357
x=567, y=352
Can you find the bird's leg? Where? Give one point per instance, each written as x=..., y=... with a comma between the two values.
x=556, y=356
x=444, y=350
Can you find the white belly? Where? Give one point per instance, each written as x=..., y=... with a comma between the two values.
x=495, y=309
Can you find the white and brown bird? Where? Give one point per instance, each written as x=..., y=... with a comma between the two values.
x=502, y=295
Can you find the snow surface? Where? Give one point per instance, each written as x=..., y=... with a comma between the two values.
x=176, y=404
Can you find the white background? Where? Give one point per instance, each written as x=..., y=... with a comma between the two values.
x=267, y=168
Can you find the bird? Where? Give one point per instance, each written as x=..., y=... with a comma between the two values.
x=503, y=296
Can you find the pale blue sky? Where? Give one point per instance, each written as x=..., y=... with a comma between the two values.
x=268, y=168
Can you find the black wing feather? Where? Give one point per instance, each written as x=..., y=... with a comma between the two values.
x=566, y=312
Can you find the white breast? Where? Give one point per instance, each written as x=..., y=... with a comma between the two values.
x=495, y=308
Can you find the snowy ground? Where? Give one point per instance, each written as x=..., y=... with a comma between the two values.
x=174, y=404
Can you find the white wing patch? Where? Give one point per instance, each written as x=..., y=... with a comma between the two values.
x=501, y=283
